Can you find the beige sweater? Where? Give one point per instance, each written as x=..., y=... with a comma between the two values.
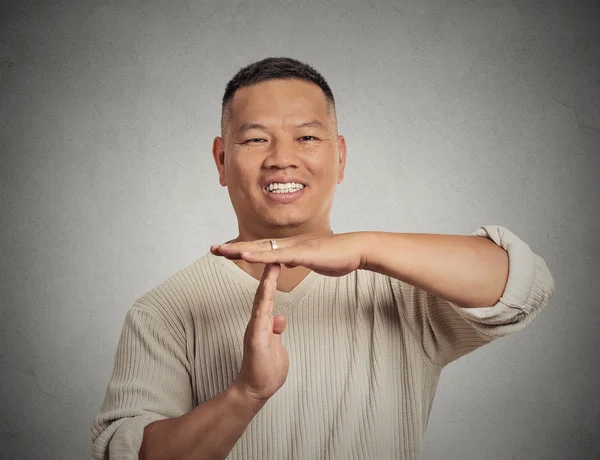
x=366, y=352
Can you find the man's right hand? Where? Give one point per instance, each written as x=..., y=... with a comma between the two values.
x=265, y=363
x=212, y=428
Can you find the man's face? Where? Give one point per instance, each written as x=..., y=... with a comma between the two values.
x=281, y=132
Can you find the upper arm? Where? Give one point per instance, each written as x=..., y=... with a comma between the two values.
x=150, y=381
x=448, y=331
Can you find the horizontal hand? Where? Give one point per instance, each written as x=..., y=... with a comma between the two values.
x=332, y=255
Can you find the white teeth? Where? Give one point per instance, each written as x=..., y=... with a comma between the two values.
x=288, y=187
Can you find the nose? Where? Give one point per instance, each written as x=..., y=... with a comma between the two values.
x=282, y=154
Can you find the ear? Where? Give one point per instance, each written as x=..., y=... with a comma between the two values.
x=341, y=145
x=218, y=151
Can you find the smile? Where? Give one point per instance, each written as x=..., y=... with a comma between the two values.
x=284, y=192
x=287, y=187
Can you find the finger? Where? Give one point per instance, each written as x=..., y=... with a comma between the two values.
x=279, y=323
x=215, y=249
x=245, y=246
x=271, y=272
x=265, y=294
x=293, y=256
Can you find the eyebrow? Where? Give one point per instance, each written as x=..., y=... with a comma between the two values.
x=309, y=124
x=248, y=126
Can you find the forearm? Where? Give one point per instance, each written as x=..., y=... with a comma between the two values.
x=209, y=431
x=470, y=271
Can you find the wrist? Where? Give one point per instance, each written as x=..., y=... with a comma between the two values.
x=242, y=401
x=368, y=247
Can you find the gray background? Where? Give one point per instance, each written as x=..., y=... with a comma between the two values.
x=456, y=113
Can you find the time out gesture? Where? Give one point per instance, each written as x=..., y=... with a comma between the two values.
x=331, y=255
x=265, y=361
x=468, y=270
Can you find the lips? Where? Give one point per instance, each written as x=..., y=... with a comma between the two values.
x=282, y=180
x=287, y=197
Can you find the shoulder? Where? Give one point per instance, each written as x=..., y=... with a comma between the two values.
x=172, y=300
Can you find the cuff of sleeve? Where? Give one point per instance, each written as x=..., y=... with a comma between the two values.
x=127, y=440
x=527, y=290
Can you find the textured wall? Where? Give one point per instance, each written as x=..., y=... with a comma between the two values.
x=456, y=113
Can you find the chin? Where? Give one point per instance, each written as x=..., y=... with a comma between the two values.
x=285, y=221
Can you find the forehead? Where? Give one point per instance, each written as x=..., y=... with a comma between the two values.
x=279, y=100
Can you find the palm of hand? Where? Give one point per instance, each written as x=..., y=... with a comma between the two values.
x=332, y=255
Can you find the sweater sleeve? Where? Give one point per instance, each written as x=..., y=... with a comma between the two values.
x=446, y=331
x=150, y=381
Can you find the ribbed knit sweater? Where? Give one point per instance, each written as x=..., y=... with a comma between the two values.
x=365, y=351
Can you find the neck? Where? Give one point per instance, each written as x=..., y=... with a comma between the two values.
x=252, y=234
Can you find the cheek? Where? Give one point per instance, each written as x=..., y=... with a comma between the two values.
x=324, y=165
x=242, y=175
x=236, y=168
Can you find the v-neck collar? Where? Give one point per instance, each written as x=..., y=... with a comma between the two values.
x=281, y=298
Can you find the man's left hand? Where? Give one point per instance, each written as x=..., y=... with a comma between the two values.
x=332, y=255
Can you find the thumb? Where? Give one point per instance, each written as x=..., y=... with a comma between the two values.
x=279, y=323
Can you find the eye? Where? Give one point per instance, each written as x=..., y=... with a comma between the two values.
x=308, y=138
x=254, y=140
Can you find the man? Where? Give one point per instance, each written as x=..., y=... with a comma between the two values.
x=203, y=367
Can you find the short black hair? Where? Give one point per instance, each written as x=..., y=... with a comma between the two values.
x=274, y=68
